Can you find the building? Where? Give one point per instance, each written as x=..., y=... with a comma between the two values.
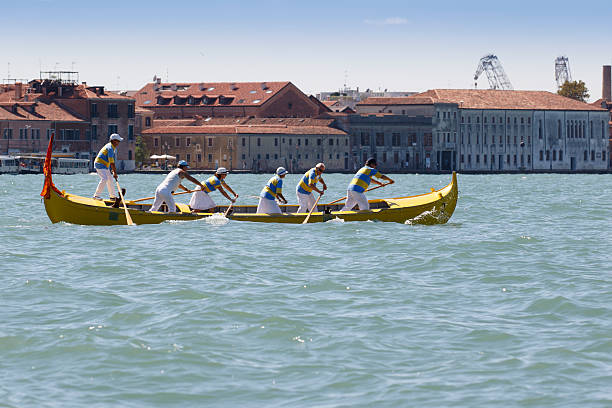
x=347, y=97
x=606, y=99
x=226, y=99
x=255, y=144
x=93, y=112
x=489, y=130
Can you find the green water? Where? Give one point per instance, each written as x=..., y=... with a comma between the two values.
x=509, y=304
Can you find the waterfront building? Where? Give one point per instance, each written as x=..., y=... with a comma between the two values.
x=254, y=144
x=93, y=112
x=489, y=130
x=226, y=99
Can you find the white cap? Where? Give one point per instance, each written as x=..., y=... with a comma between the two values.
x=281, y=170
x=222, y=170
x=115, y=136
x=320, y=165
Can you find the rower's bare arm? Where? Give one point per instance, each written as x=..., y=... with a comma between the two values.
x=388, y=179
x=183, y=187
x=284, y=200
x=222, y=190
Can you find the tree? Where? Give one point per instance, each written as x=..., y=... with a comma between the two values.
x=575, y=89
x=141, y=153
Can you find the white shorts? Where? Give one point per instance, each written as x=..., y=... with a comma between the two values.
x=305, y=201
x=200, y=200
x=354, y=198
x=267, y=206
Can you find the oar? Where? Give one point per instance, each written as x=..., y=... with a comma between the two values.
x=228, y=209
x=312, y=209
x=128, y=217
x=150, y=198
x=369, y=189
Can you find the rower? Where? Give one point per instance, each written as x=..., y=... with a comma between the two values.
x=355, y=194
x=104, y=164
x=201, y=201
x=271, y=192
x=307, y=183
x=163, y=193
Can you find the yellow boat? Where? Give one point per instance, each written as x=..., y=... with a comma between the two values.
x=435, y=207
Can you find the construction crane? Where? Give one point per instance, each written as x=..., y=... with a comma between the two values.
x=562, y=71
x=495, y=73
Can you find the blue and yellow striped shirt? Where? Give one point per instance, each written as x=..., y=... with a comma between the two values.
x=309, y=179
x=105, y=157
x=211, y=184
x=361, y=180
x=273, y=188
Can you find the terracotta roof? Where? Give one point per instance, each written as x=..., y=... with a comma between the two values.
x=42, y=111
x=330, y=103
x=243, y=93
x=248, y=129
x=88, y=92
x=498, y=99
x=403, y=100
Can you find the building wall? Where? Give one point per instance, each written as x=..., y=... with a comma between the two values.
x=34, y=140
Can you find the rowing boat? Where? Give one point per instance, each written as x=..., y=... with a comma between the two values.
x=435, y=207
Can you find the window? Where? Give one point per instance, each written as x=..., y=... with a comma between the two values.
x=177, y=142
x=603, y=155
x=528, y=159
x=147, y=121
x=306, y=143
x=559, y=129
x=276, y=156
x=380, y=138
x=188, y=142
x=318, y=144
x=290, y=142
x=484, y=158
x=267, y=156
x=395, y=139
x=384, y=157
x=188, y=157
x=461, y=159
x=199, y=156
x=130, y=132
x=365, y=140
x=210, y=158
x=156, y=142
x=94, y=110
x=130, y=112
x=259, y=141
x=508, y=159
x=112, y=129
x=331, y=142
x=585, y=155
x=210, y=142
x=477, y=159
x=178, y=158
x=548, y=155
x=592, y=155
x=275, y=141
x=112, y=110
x=243, y=141
x=560, y=155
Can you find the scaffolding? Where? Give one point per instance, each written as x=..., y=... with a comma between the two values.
x=63, y=77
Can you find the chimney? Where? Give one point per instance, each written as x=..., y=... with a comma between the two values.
x=18, y=89
x=606, y=83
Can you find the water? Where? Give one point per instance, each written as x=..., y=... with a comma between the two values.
x=509, y=304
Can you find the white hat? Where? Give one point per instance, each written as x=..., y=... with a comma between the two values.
x=222, y=170
x=115, y=136
x=281, y=171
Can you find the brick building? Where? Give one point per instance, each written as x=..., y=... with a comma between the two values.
x=93, y=112
x=226, y=99
x=256, y=144
x=489, y=130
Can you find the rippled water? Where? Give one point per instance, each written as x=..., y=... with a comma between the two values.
x=509, y=304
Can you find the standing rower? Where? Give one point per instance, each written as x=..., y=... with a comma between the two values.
x=104, y=164
x=307, y=183
x=163, y=193
x=355, y=194
x=201, y=201
x=271, y=192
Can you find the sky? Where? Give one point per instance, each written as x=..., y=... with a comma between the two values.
x=318, y=45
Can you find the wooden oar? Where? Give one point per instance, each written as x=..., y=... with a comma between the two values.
x=228, y=210
x=128, y=217
x=369, y=189
x=312, y=209
x=150, y=198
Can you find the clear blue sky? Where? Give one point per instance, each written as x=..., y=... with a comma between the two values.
x=398, y=45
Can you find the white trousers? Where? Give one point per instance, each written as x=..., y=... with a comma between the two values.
x=200, y=200
x=267, y=206
x=305, y=201
x=354, y=198
x=106, y=179
x=163, y=196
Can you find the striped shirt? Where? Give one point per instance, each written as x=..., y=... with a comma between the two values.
x=105, y=157
x=361, y=180
x=211, y=184
x=273, y=188
x=309, y=179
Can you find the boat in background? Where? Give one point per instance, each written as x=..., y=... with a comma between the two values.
x=8, y=165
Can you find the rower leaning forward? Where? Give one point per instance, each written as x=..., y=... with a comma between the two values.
x=307, y=183
x=163, y=193
x=201, y=201
x=271, y=192
x=355, y=194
